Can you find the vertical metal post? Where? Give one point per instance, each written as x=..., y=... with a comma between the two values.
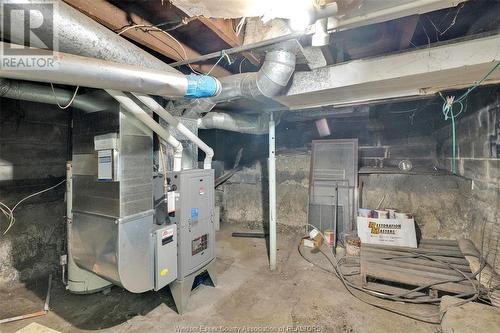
x=272, y=194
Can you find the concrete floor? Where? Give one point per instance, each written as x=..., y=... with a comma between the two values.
x=297, y=298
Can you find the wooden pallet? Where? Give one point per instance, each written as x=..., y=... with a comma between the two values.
x=392, y=269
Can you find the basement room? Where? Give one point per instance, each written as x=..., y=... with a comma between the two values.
x=250, y=166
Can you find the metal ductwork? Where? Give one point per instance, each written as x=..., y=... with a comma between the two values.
x=268, y=82
x=77, y=33
x=95, y=73
x=249, y=124
x=34, y=92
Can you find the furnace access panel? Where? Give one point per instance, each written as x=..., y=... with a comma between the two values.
x=194, y=216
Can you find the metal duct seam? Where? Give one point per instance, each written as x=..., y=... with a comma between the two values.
x=199, y=86
x=33, y=92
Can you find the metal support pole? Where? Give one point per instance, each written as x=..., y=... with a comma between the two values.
x=272, y=194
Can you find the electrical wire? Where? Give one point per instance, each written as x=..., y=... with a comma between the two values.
x=403, y=297
x=146, y=28
x=241, y=63
x=9, y=212
x=223, y=54
x=70, y=101
x=450, y=114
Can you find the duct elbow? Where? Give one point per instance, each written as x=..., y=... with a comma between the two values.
x=272, y=78
x=209, y=155
x=275, y=73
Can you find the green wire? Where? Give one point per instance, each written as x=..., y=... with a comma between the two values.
x=449, y=114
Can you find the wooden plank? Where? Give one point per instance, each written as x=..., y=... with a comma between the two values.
x=223, y=28
x=440, y=242
x=407, y=29
x=422, y=268
x=387, y=253
x=114, y=18
x=448, y=253
x=415, y=278
x=422, y=262
x=439, y=247
x=387, y=289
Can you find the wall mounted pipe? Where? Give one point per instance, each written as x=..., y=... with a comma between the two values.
x=34, y=92
x=134, y=109
x=95, y=73
x=160, y=111
x=249, y=124
x=76, y=33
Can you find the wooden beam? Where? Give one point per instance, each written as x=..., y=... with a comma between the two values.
x=406, y=31
x=224, y=29
x=115, y=19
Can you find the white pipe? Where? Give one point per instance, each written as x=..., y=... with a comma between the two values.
x=272, y=194
x=140, y=114
x=159, y=110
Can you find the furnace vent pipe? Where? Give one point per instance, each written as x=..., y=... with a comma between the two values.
x=34, y=92
x=248, y=124
x=130, y=106
x=268, y=82
x=165, y=115
x=95, y=73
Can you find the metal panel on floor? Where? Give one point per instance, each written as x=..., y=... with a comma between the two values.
x=333, y=184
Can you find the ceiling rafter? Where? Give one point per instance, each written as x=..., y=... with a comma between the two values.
x=223, y=28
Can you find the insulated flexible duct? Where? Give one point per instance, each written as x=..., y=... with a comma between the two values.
x=34, y=92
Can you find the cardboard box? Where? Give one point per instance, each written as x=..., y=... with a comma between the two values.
x=312, y=242
x=394, y=232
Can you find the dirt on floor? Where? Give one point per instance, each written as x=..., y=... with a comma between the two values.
x=298, y=297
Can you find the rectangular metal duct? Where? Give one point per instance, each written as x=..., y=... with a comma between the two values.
x=112, y=220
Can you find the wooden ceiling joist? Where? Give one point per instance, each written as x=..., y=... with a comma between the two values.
x=115, y=19
x=224, y=30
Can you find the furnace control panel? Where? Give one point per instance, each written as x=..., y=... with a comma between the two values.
x=106, y=146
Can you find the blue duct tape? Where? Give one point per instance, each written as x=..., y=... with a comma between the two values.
x=200, y=86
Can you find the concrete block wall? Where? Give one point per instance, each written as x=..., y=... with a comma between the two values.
x=478, y=160
x=33, y=150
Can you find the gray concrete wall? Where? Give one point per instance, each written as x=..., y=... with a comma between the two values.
x=245, y=195
x=33, y=150
x=478, y=160
x=435, y=200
